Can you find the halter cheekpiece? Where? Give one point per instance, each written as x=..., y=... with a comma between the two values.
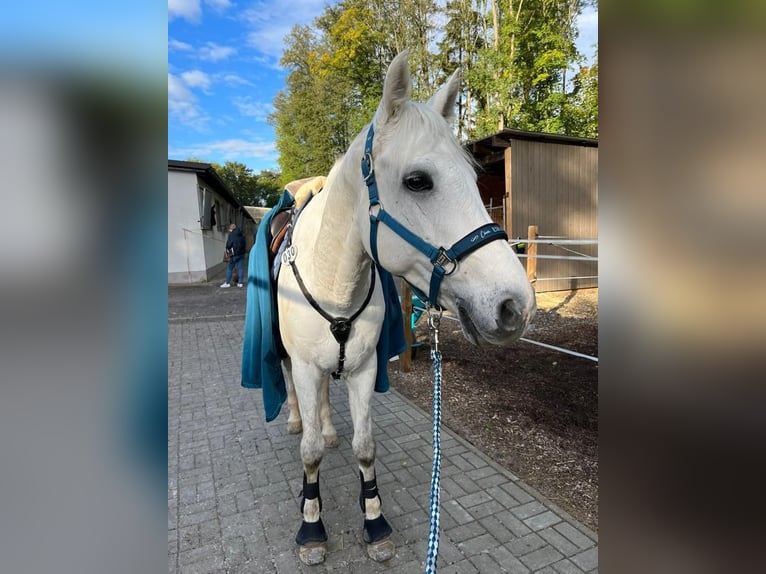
x=444, y=260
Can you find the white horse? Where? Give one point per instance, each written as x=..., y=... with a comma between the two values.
x=426, y=184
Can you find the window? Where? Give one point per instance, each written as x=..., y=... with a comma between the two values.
x=208, y=217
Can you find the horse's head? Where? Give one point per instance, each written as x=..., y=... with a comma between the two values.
x=426, y=182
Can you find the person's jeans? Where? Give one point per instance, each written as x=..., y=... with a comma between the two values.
x=239, y=261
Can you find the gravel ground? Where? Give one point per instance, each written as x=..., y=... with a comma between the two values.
x=533, y=410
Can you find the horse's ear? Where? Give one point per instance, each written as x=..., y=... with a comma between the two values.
x=396, y=88
x=443, y=101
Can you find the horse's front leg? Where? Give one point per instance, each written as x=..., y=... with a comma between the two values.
x=294, y=423
x=325, y=415
x=312, y=536
x=377, y=531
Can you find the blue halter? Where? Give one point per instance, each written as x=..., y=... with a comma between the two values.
x=444, y=261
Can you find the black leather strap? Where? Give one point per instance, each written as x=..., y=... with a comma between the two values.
x=329, y=318
x=340, y=327
x=369, y=490
x=310, y=491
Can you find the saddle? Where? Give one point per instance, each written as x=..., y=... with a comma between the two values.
x=280, y=222
x=302, y=190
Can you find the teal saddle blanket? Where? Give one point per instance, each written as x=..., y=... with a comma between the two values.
x=262, y=350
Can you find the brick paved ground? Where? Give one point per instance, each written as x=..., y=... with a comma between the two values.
x=233, y=480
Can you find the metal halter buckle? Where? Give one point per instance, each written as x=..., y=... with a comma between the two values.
x=443, y=260
x=368, y=159
x=372, y=207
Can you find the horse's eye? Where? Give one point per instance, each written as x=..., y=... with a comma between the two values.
x=418, y=181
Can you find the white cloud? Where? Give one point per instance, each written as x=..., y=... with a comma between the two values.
x=183, y=105
x=229, y=149
x=257, y=110
x=196, y=79
x=269, y=22
x=235, y=80
x=219, y=5
x=178, y=46
x=187, y=9
x=212, y=52
x=191, y=10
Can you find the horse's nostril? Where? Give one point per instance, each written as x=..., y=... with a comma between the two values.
x=509, y=315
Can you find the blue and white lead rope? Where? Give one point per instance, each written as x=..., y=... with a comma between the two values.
x=436, y=358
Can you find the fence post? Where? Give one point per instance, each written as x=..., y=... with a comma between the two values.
x=531, y=252
x=406, y=357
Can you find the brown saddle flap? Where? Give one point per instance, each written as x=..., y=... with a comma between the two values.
x=279, y=224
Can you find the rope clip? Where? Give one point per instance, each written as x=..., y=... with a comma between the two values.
x=434, y=320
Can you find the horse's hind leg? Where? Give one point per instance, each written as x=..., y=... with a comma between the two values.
x=377, y=531
x=312, y=536
x=325, y=415
x=294, y=424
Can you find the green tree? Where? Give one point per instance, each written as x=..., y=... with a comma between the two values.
x=582, y=107
x=461, y=41
x=516, y=69
x=515, y=56
x=240, y=181
x=268, y=187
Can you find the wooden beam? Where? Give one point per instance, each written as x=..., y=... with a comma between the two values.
x=406, y=357
x=531, y=252
x=498, y=142
x=508, y=193
x=491, y=158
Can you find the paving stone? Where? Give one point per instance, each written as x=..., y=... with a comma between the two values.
x=484, y=563
x=525, y=544
x=233, y=481
x=558, y=541
x=574, y=535
x=462, y=567
x=567, y=567
x=541, y=558
x=486, y=509
x=476, y=545
x=530, y=509
x=508, y=562
x=587, y=560
x=474, y=499
x=540, y=521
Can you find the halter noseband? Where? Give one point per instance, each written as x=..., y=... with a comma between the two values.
x=444, y=261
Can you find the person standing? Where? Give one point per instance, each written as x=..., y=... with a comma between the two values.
x=235, y=246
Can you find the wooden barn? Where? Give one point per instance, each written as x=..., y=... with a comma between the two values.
x=549, y=181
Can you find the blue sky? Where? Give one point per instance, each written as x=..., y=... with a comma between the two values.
x=223, y=74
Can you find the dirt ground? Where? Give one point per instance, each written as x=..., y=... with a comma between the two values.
x=533, y=410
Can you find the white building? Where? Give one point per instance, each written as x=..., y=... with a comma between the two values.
x=200, y=208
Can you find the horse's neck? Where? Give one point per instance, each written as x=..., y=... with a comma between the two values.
x=340, y=266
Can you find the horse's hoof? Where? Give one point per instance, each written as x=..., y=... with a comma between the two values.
x=381, y=550
x=312, y=553
x=294, y=427
x=331, y=441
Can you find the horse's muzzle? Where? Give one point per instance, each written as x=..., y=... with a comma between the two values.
x=513, y=318
x=501, y=325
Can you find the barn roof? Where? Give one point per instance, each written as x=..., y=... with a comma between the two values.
x=257, y=213
x=489, y=150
